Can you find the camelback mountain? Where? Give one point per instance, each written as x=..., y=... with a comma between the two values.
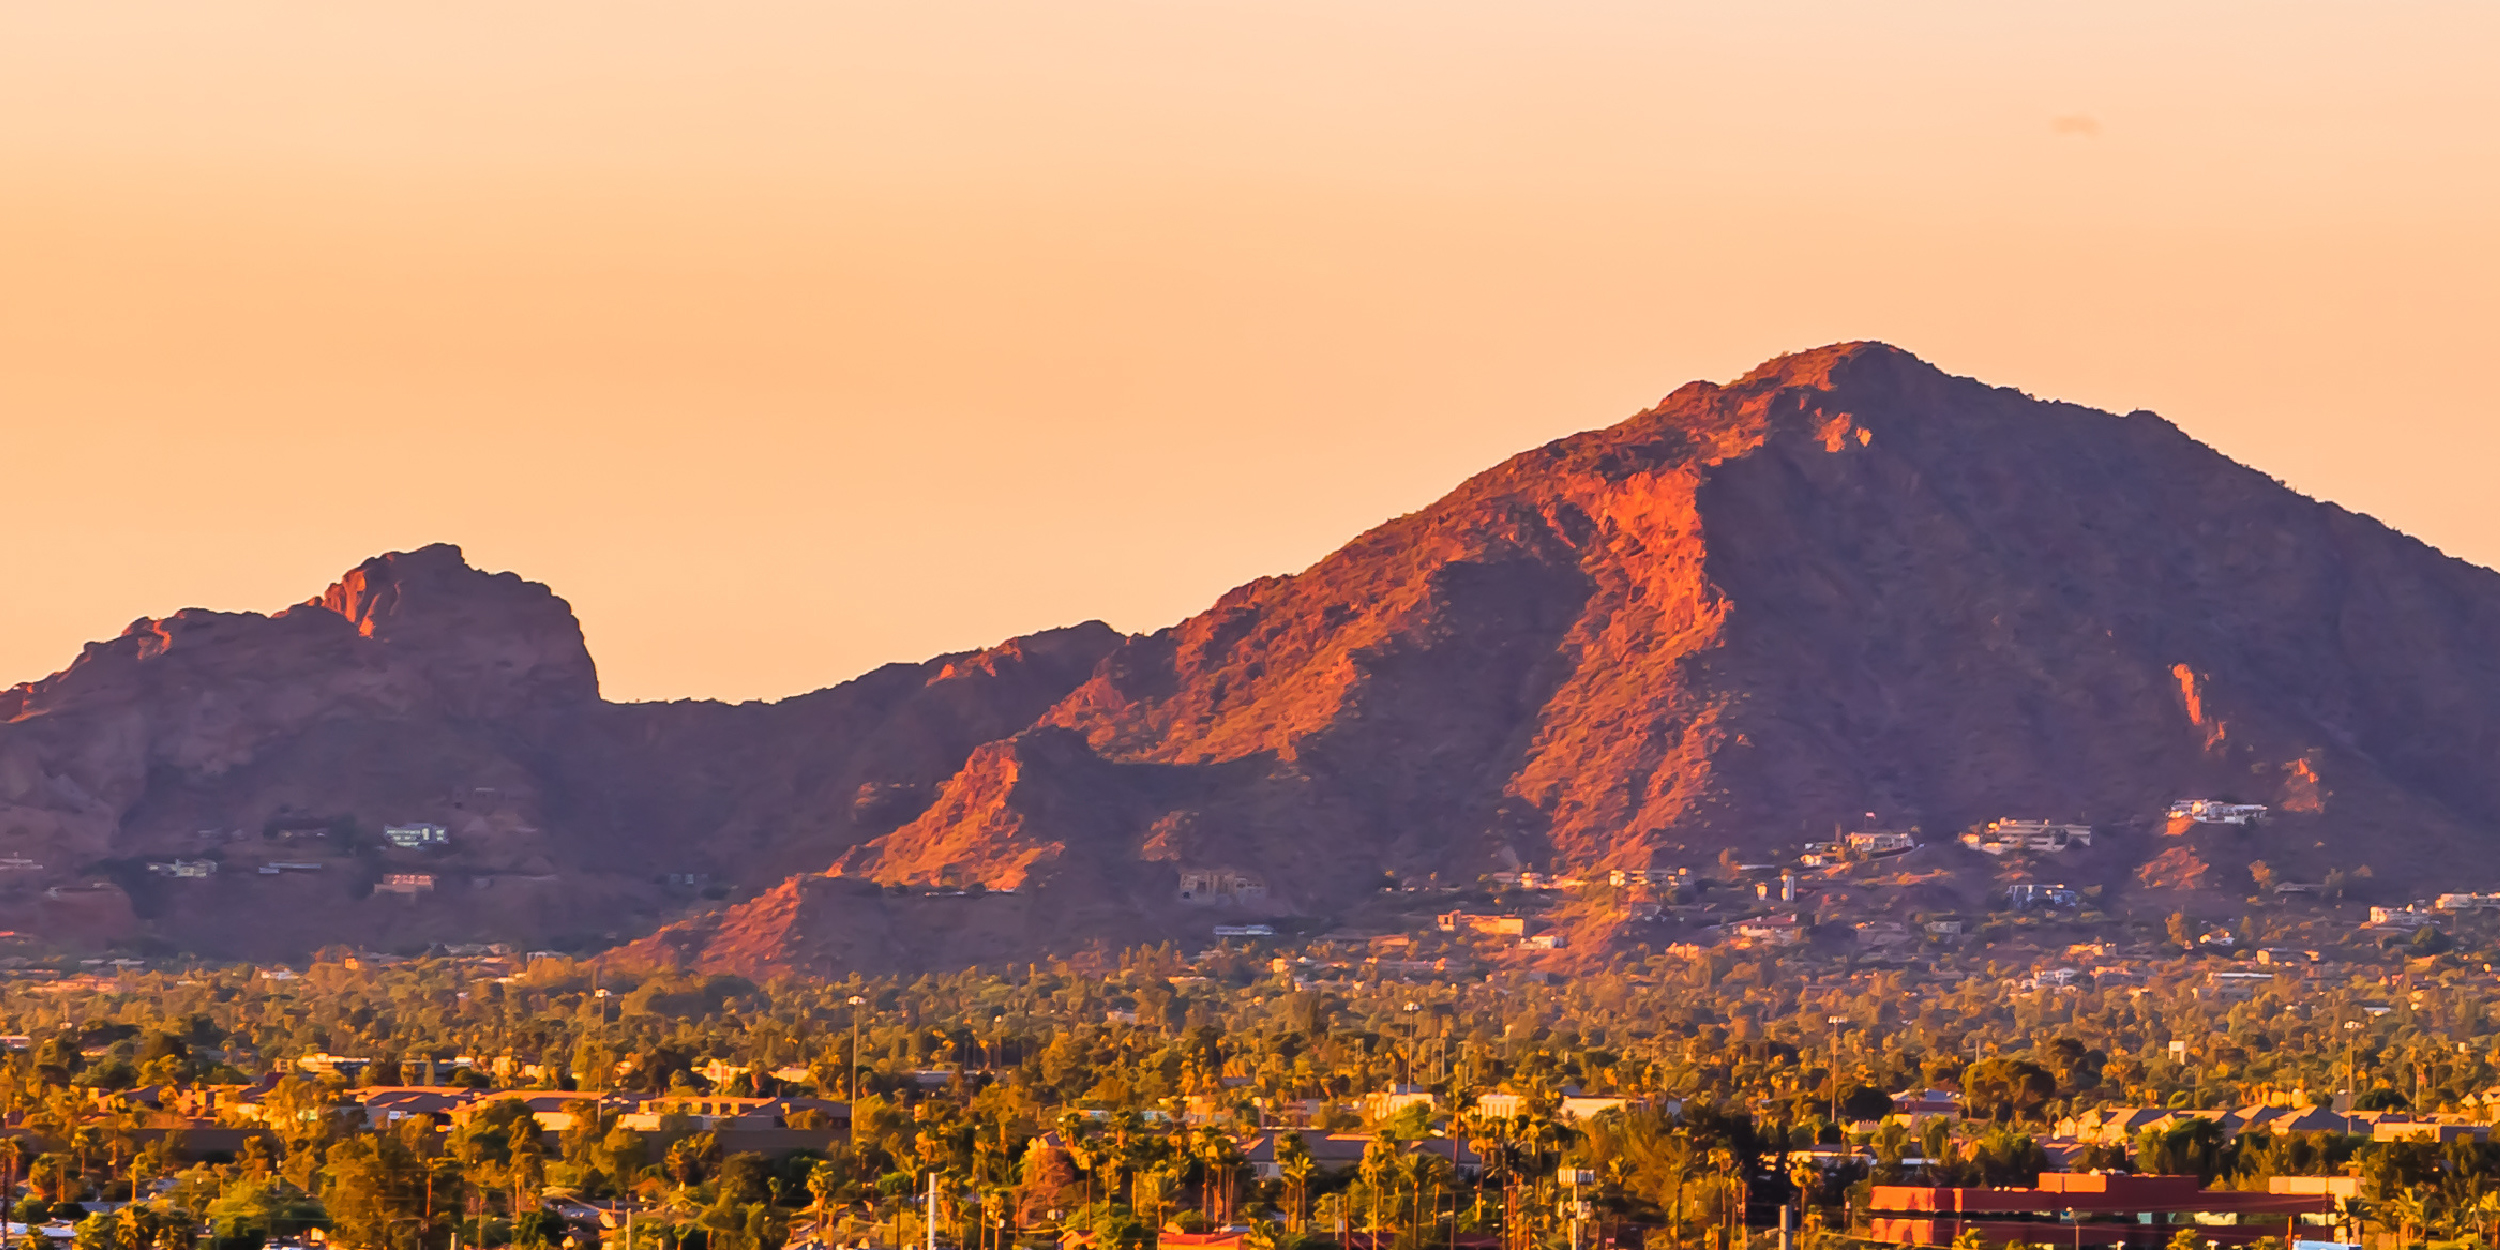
x=1844, y=587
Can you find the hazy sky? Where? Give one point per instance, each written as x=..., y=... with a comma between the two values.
x=788, y=339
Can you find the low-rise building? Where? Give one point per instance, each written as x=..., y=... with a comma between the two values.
x=183, y=867
x=409, y=883
x=1880, y=841
x=1591, y=1106
x=1920, y=1104
x=1781, y=930
x=2009, y=834
x=2096, y=1208
x=1489, y=926
x=2025, y=895
x=1396, y=1098
x=1643, y=876
x=2216, y=812
x=411, y=837
x=1209, y=886
x=322, y=1062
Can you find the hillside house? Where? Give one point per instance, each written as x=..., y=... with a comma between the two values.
x=2002, y=836
x=2216, y=812
x=411, y=837
x=1483, y=925
x=1209, y=886
x=183, y=868
x=2026, y=895
x=1643, y=876
x=2467, y=902
x=1880, y=841
x=1782, y=930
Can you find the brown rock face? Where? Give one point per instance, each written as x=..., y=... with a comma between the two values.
x=490, y=644
x=1844, y=583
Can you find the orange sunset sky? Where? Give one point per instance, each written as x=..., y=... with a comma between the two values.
x=785, y=339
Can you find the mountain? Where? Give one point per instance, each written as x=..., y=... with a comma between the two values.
x=420, y=690
x=1843, y=585
x=1844, y=589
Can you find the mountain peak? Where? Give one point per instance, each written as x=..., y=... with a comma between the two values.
x=1822, y=368
x=492, y=642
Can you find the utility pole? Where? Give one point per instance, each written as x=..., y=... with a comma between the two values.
x=933, y=1179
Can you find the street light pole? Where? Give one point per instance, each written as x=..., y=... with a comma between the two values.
x=1837, y=1023
x=1410, y=1043
x=856, y=1003
x=2352, y=1080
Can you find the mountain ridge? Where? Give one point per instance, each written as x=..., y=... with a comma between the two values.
x=1844, y=588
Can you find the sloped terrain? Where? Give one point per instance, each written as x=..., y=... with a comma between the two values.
x=1844, y=585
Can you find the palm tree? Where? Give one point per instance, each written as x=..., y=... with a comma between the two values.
x=1378, y=1170
x=2412, y=1210
x=12, y=1153
x=1074, y=1129
x=1294, y=1162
